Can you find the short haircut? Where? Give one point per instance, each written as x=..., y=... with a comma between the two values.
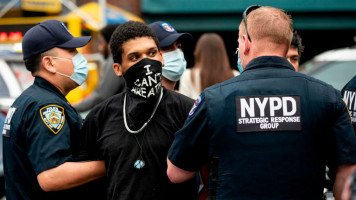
x=129, y=31
x=33, y=63
x=297, y=43
x=107, y=31
x=271, y=23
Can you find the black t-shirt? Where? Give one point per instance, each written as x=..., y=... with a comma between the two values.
x=105, y=137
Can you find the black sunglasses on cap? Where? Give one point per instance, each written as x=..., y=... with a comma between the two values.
x=244, y=16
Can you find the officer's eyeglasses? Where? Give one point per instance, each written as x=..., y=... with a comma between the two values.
x=244, y=16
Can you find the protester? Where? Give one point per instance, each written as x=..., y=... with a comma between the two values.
x=270, y=132
x=295, y=51
x=211, y=66
x=41, y=128
x=132, y=131
x=171, y=43
x=109, y=83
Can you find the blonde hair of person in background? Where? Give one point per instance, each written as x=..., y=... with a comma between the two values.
x=211, y=66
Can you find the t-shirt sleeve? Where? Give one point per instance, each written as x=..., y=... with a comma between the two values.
x=48, y=138
x=189, y=150
x=343, y=134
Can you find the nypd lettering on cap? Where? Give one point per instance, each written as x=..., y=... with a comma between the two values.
x=268, y=113
x=7, y=123
x=167, y=27
x=53, y=116
x=195, y=106
x=350, y=100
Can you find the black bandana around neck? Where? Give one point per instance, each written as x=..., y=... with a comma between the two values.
x=143, y=87
x=144, y=78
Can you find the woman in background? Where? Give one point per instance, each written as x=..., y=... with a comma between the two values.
x=211, y=66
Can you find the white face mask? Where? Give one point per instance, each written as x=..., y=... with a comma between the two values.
x=80, y=68
x=174, y=65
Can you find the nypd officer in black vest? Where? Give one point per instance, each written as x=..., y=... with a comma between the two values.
x=349, y=94
x=270, y=132
x=41, y=127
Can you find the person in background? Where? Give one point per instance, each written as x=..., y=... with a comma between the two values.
x=295, y=51
x=270, y=132
x=40, y=135
x=211, y=66
x=109, y=83
x=171, y=43
x=132, y=131
x=2, y=179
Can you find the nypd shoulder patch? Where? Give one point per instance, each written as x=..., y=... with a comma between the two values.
x=53, y=117
x=195, y=106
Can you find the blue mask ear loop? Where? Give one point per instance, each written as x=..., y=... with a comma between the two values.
x=239, y=63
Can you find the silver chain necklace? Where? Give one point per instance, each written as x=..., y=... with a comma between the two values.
x=149, y=119
x=140, y=163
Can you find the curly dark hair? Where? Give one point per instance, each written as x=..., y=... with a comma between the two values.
x=297, y=43
x=127, y=31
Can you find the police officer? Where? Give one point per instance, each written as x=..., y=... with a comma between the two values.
x=170, y=43
x=40, y=131
x=348, y=92
x=268, y=133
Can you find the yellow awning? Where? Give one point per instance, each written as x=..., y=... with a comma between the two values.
x=113, y=14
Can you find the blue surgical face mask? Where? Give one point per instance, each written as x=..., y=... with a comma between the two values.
x=239, y=63
x=80, y=68
x=174, y=65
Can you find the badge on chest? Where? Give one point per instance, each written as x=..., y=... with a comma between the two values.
x=268, y=113
x=53, y=116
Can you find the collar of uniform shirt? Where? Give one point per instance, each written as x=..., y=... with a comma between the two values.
x=264, y=61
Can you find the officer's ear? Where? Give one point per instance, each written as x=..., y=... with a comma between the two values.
x=118, y=69
x=47, y=64
x=160, y=58
x=246, y=44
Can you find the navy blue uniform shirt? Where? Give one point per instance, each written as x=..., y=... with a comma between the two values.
x=349, y=94
x=266, y=134
x=39, y=134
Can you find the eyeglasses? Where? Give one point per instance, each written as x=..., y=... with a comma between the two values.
x=244, y=16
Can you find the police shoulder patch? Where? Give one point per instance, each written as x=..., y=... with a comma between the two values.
x=195, y=106
x=53, y=117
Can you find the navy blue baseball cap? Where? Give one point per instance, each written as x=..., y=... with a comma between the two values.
x=47, y=35
x=166, y=34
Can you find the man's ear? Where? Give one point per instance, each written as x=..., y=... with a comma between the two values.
x=47, y=63
x=117, y=69
x=161, y=58
x=246, y=43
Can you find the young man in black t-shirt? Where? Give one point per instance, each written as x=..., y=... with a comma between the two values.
x=133, y=131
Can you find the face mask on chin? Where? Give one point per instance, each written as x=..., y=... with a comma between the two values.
x=80, y=68
x=143, y=79
x=174, y=65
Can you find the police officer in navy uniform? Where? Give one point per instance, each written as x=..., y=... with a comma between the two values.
x=349, y=92
x=41, y=127
x=270, y=132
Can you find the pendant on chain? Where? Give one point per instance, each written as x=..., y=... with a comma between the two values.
x=139, y=163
